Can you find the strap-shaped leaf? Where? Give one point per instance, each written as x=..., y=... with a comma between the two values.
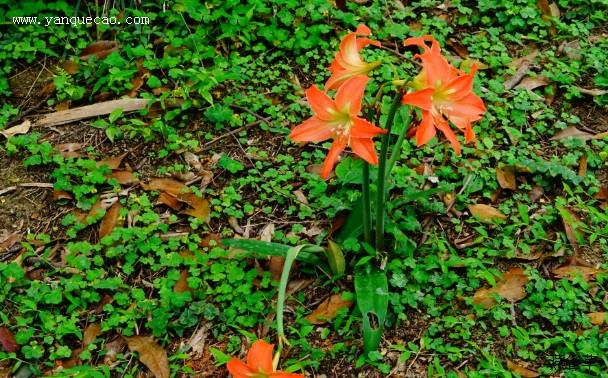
x=372, y=300
x=262, y=248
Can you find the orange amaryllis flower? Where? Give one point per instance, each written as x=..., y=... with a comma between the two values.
x=259, y=364
x=444, y=94
x=348, y=62
x=338, y=120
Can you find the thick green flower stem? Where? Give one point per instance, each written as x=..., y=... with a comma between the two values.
x=367, y=216
x=380, y=196
x=398, y=144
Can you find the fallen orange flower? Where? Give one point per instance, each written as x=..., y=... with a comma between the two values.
x=338, y=120
x=444, y=94
x=259, y=364
x=348, y=62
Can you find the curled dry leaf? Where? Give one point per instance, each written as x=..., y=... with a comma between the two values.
x=169, y=200
x=68, y=150
x=123, y=177
x=110, y=220
x=571, y=271
x=506, y=178
x=113, y=162
x=112, y=349
x=531, y=83
x=7, y=339
x=511, y=287
x=181, y=285
x=486, y=213
x=592, y=92
x=328, y=309
x=100, y=49
x=21, y=128
x=193, y=161
x=61, y=194
x=234, y=223
x=572, y=132
x=536, y=192
x=199, y=207
x=522, y=371
x=166, y=185
x=70, y=67
x=597, y=318
x=300, y=196
x=90, y=334
x=150, y=354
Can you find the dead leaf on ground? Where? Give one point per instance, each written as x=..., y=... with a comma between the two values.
x=486, y=213
x=582, y=166
x=570, y=221
x=199, y=207
x=531, y=83
x=70, y=67
x=181, y=285
x=64, y=105
x=124, y=177
x=110, y=220
x=536, y=192
x=572, y=132
x=113, y=162
x=597, y=318
x=193, y=161
x=7, y=339
x=328, y=309
x=166, y=185
x=69, y=150
x=535, y=254
x=511, y=287
x=300, y=196
x=169, y=200
x=234, y=223
x=571, y=271
x=100, y=49
x=506, y=178
x=150, y=354
x=572, y=49
x=21, y=128
x=90, y=334
x=522, y=371
x=522, y=64
x=592, y=92
x=298, y=284
x=113, y=348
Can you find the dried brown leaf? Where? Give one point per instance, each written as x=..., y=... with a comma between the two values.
x=64, y=105
x=531, y=83
x=7, y=339
x=536, y=192
x=597, y=318
x=522, y=371
x=166, y=185
x=181, y=285
x=90, y=334
x=275, y=266
x=70, y=67
x=199, y=207
x=328, y=309
x=592, y=92
x=21, y=128
x=571, y=271
x=511, y=287
x=486, y=213
x=113, y=162
x=572, y=132
x=61, y=194
x=169, y=200
x=124, y=177
x=193, y=161
x=101, y=49
x=506, y=178
x=68, y=150
x=110, y=220
x=301, y=196
x=150, y=354
x=582, y=166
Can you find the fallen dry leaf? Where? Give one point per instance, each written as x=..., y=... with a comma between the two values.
x=522, y=64
x=511, y=287
x=193, y=161
x=61, y=194
x=328, y=309
x=169, y=200
x=64, y=105
x=199, y=207
x=100, y=49
x=572, y=132
x=166, y=185
x=112, y=349
x=70, y=67
x=300, y=196
x=124, y=177
x=7, y=339
x=570, y=222
x=150, y=354
x=113, y=162
x=597, y=318
x=506, y=178
x=531, y=83
x=536, y=192
x=21, y=128
x=571, y=271
x=69, y=150
x=592, y=92
x=522, y=371
x=110, y=220
x=90, y=334
x=582, y=166
x=486, y=213
x=181, y=285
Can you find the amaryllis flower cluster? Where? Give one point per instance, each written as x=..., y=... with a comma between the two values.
x=444, y=94
x=338, y=119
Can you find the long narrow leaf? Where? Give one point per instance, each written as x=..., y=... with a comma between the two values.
x=262, y=248
x=372, y=300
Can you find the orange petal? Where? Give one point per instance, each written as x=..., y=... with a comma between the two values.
x=332, y=156
x=312, y=130
x=338, y=78
x=320, y=103
x=460, y=87
x=426, y=129
x=239, y=369
x=470, y=107
x=259, y=357
x=421, y=42
x=362, y=42
x=449, y=134
x=280, y=374
x=348, y=56
x=351, y=94
x=422, y=99
x=469, y=134
x=364, y=129
x=438, y=70
x=363, y=30
x=364, y=148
